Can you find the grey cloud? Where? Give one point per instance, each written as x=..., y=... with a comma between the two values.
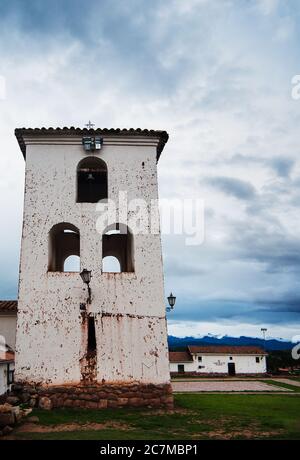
x=282, y=166
x=231, y=186
x=279, y=251
x=182, y=269
x=240, y=310
x=287, y=303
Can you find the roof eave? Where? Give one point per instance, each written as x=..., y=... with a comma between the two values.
x=162, y=136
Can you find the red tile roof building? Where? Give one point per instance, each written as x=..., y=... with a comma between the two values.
x=214, y=359
x=8, y=306
x=224, y=349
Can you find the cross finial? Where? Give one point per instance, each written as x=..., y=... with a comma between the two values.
x=90, y=125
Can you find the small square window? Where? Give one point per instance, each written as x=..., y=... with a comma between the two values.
x=257, y=359
x=199, y=358
x=230, y=358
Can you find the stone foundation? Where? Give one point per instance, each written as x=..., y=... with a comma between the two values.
x=95, y=396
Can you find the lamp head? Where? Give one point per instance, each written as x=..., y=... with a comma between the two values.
x=86, y=276
x=171, y=300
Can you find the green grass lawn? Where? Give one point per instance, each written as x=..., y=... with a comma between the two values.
x=197, y=416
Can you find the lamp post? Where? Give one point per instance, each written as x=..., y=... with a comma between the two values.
x=264, y=330
x=86, y=276
x=171, y=300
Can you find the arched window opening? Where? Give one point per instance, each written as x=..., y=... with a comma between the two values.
x=72, y=264
x=64, y=242
x=91, y=180
x=117, y=242
x=111, y=264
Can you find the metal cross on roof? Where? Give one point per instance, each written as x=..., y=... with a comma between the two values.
x=90, y=125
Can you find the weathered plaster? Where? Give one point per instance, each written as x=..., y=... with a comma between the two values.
x=129, y=308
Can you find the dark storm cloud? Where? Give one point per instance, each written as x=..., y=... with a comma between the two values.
x=238, y=311
x=288, y=303
x=231, y=186
x=277, y=250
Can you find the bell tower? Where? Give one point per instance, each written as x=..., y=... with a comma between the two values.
x=91, y=328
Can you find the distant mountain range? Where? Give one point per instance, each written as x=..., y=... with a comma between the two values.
x=270, y=344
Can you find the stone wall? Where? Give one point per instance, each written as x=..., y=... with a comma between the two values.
x=96, y=396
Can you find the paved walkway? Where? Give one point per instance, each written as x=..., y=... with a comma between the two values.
x=232, y=386
x=296, y=383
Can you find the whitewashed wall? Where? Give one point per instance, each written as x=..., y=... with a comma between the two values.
x=131, y=337
x=188, y=366
x=244, y=364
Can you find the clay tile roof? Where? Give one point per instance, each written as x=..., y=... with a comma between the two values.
x=233, y=350
x=179, y=356
x=7, y=356
x=162, y=135
x=8, y=306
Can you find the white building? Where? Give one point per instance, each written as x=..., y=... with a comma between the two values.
x=225, y=360
x=119, y=334
x=8, y=321
x=7, y=367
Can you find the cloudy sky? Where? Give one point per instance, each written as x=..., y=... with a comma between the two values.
x=216, y=74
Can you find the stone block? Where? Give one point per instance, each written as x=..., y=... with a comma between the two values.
x=4, y=408
x=91, y=405
x=102, y=404
x=135, y=402
x=167, y=399
x=7, y=418
x=13, y=400
x=130, y=394
x=155, y=402
x=16, y=387
x=17, y=413
x=25, y=397
x=7, y=430
x=122, y=401
x=68, y=403
x=112, y=403
x=45, y=403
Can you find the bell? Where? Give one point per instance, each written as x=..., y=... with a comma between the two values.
x=90, y=177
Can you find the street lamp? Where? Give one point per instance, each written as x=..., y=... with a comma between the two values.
x=86, y=276
x=264, y=330
x=171, y=300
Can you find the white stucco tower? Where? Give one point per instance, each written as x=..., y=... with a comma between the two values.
x=109, y=349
